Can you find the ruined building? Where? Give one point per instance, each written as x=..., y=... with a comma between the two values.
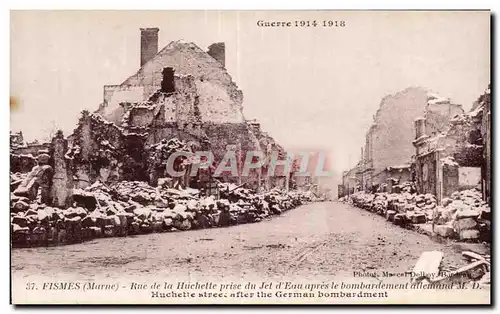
x=387, y=156
x=453, y=154
x=180, y=91
x=483, y=106
x=388, y=140
x=181, y=98
x=388, y=151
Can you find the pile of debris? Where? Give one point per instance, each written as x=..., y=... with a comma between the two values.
x=16, y=179
x=429, y=271
x=22, y=162
x=127, y=208
x=464, y=216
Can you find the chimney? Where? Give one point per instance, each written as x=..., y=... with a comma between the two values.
x=419, y=127
x=218, y=52
x=149, y=44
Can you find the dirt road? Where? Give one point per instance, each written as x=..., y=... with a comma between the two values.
x=320, y=240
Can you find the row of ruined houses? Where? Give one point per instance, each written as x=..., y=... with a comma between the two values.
x=423, y=141
x=181, y=98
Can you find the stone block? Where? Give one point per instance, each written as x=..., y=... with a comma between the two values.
x=86, y=233
x=419, y=218
x=157, y=226
x=400, y=219
x=20, y=221
x=470, y=234
x=167, y=223
x=464, y=224
x=444, y=230
x=109, y=231
x=96, y=232
x=146, y=228
x=389, y=215
x=20, y=206
x=485, y=214
x=468, y=213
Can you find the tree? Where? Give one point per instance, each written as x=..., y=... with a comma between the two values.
x=50, y=131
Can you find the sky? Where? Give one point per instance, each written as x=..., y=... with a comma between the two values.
x=311, y=88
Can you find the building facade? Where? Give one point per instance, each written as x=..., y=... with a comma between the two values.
x=448, y=150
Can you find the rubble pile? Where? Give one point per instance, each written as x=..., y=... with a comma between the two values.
x=16, y=179
x=464, y=216
x=133, y=207
x=476, y=274
x=22, y=162
x=158, y=155
x=408, y=187
x=401, y=208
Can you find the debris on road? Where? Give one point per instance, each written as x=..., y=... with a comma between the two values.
x=427, y=265
x=133, y=207
x=428, y=269
x=464, y=216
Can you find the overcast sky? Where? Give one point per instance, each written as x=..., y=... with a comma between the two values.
x=314, y=88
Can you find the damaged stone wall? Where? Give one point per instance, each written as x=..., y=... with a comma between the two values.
x=187, y=100
x=391, y=176
x=154, y=120
x=465, y=133
x=484, y=102
x=448, y=142
x=182, y=93
x=222, y=135
x=438, y=112
x=158, y=156
x=167, y=112
x=29, y=149
x=426, y=167
x=134, y=167
x=97, y=150
x=220, y=100
x=393, y=126
x=179, y=105
x=450, y=179
x=114, y=95
x=392, y=136
x=102, y=151
x=62, y=181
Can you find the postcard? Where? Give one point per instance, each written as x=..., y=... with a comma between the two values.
x=250, y=157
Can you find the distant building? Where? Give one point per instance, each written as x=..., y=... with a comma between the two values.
x=351, y=180
x=388, y=150
x=388, y=140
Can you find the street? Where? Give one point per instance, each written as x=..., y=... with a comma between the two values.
x=319, y=240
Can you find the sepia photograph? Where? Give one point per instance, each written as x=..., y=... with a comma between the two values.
x=250, y=157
